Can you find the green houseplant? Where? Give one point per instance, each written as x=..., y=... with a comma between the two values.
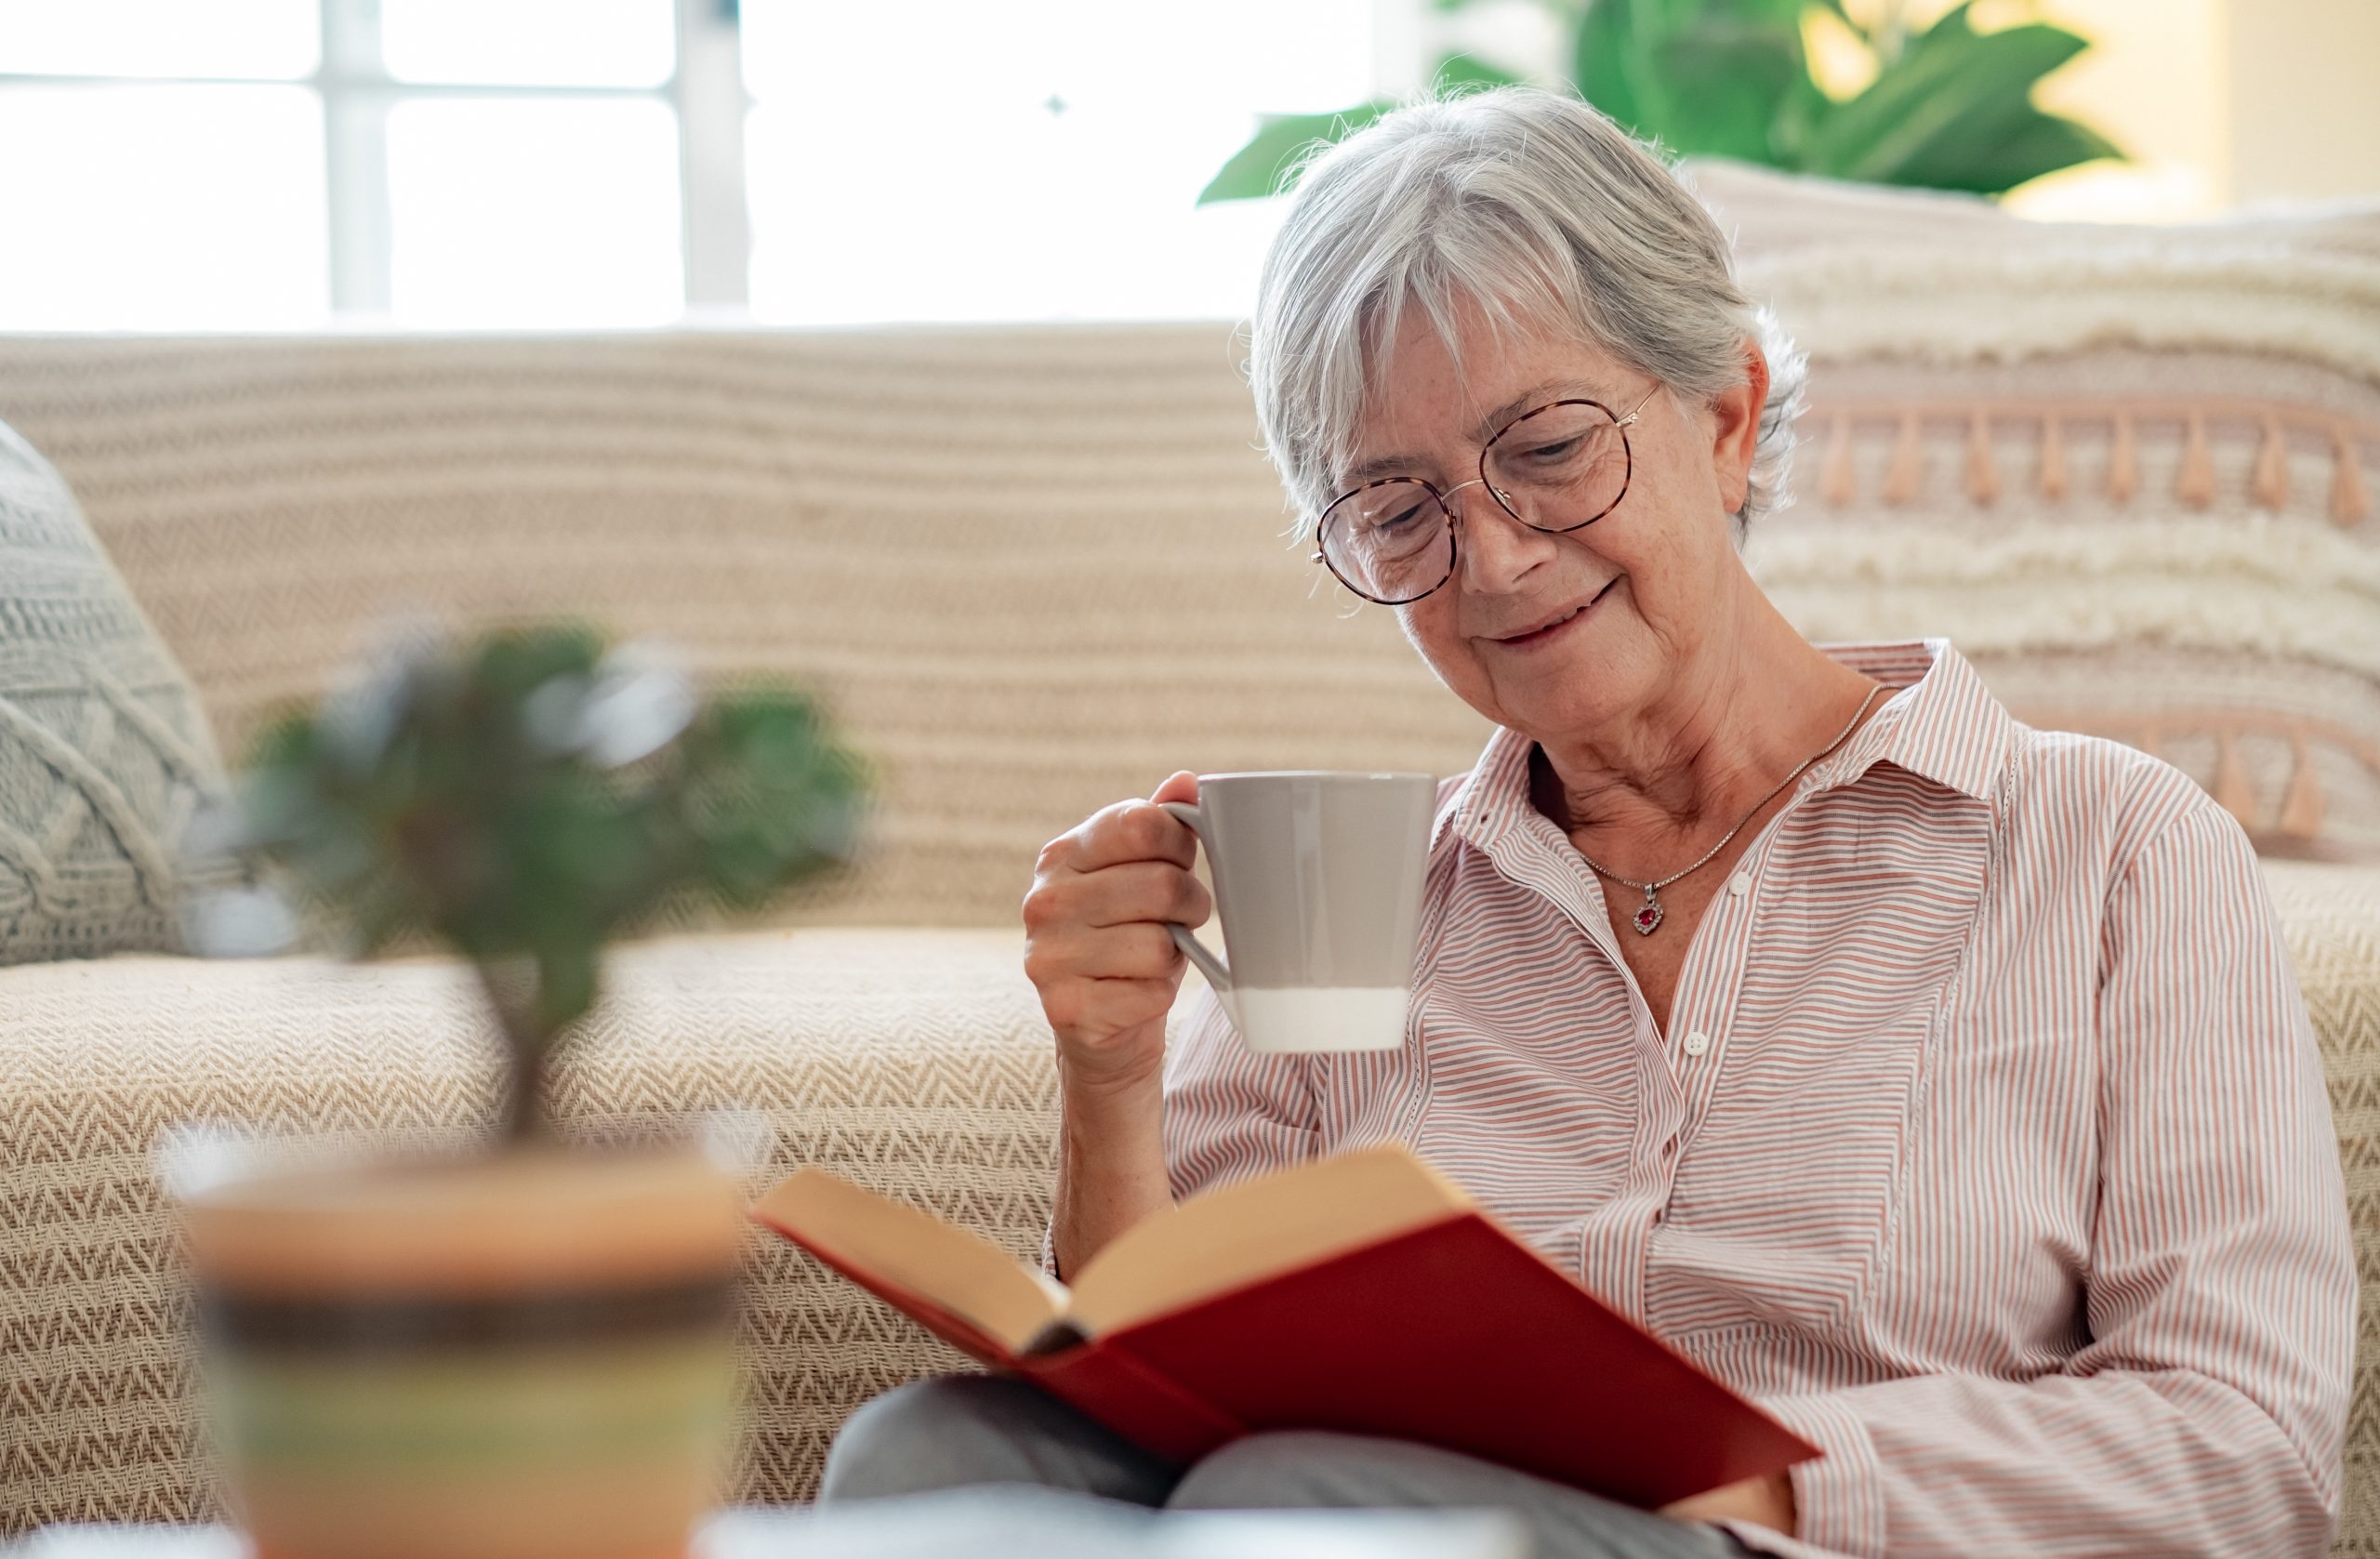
x=1948, y=107
x=525, y=1353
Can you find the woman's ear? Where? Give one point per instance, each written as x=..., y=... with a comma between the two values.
x=1735, y=428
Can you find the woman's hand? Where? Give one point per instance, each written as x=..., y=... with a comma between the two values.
x=1097, y=944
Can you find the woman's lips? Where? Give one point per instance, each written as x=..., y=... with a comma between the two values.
x=1560, y=629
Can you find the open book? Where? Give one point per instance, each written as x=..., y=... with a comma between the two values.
x=1363, y=1292
x=1360, y=1293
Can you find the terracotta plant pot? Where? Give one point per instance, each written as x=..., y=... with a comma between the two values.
x=526, y=1356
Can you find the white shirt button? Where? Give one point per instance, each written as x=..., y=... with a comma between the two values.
x=1697, y=1042
x=1741, y=884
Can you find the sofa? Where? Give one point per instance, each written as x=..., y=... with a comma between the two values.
x=1032, y=571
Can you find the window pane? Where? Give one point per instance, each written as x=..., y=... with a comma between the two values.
x=176, y=207
x=534, y=213
x=160, y=37
x=581, y=43
x=1040, y=159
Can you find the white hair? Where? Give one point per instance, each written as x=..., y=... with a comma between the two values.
x=1543, y=214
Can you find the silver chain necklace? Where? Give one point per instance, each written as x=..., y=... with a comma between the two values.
x=1648, y=919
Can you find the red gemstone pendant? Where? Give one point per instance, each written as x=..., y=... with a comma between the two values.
x=1648, y=917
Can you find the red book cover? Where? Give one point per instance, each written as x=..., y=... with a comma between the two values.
x=1453, y=1333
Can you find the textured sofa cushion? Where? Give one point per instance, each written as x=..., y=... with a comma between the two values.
x=2331, y=916
x=1034, y=571
x=104, y=755
x=2130, y=473
x=917, y=1062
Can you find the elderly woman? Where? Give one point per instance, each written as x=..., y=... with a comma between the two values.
x=1938, y=1083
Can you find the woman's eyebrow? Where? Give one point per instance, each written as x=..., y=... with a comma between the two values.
x=1379, y=465
x=1487, y=428
x=1531, y=398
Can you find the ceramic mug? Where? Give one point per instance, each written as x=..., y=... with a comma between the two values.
x=1318, y=883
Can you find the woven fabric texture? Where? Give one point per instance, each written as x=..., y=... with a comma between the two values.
x=914, y=1061
x=1075, y=580
x=2331, y=916
x=1032, y=571
x=2237, y=636
x=104, y=753
x=2132, y=475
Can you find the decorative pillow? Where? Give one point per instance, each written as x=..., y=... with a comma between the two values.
x=104, y=755
x=2127, y=470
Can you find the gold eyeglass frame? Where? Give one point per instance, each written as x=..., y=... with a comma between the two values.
x=1503, y=499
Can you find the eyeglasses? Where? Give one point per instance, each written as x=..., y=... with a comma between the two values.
x=1558, y=468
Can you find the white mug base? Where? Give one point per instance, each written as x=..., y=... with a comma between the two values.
x=1306, y=1019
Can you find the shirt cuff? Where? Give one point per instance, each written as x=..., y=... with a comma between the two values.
x=1838, y=1498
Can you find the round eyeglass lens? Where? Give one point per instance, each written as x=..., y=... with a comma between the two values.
x=1389, y=542
x=1560, y=467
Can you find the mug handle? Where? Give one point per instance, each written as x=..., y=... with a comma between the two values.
x=1218, y=973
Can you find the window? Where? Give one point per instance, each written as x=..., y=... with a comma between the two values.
x=1042, y=159
x=135, y=200
x=268, y=163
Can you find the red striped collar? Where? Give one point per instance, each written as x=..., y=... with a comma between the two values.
x=1940, y=723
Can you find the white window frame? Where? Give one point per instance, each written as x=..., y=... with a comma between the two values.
x=356, y=93
x=706, y=88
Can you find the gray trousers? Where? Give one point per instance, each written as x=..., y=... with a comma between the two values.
x=986, y=1429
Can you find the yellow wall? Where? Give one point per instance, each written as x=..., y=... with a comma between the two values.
x=2218, y=101
x=2304, y=97
x=2156, y=83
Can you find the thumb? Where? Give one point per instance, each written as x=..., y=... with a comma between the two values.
x=1180, y=785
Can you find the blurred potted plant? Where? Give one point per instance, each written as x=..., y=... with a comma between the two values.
x=523, y=1354
x=1947, y=107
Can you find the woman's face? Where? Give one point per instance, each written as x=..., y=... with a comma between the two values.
x=1554, y=634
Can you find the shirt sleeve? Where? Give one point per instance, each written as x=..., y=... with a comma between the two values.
x=2206, y=1413
x=1230, y=1114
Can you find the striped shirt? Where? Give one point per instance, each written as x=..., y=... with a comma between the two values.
x=1986, y=1148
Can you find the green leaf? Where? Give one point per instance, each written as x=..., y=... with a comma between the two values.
x=513, y=664
x=428, y=800
x=378, y=913
x=1765, y=14
x=2033, y=144
x=1799, y=113
x=1834, y=8
x=1714, y=77
x=1609, y=66
x=1269, y=163
x=1952, y=87
x=289, y=742
x=1727, y=84
x=567, y=976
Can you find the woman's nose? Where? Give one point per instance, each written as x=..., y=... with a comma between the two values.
x=1497, y=550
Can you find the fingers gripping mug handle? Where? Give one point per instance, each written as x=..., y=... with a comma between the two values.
x=1218, y=973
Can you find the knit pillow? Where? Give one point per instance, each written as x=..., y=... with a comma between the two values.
x=104, y=755
x=2125, y=469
